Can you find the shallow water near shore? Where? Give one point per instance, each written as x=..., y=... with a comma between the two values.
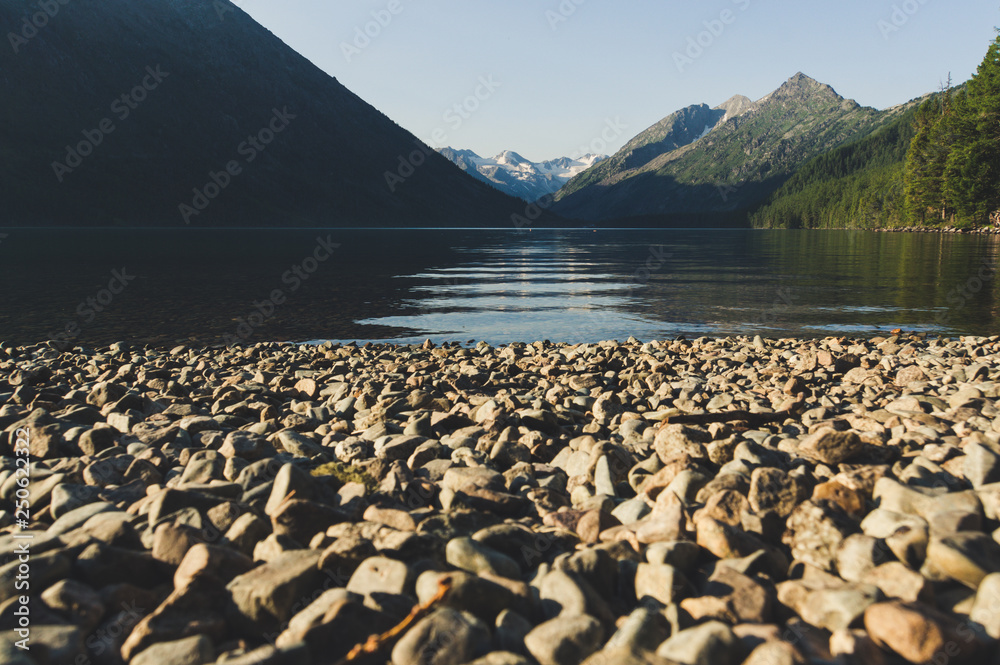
x=497, y=285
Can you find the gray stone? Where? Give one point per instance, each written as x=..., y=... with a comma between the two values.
x=965, y=557
x=466, y=554
x=681, y=554
x=77, y=602
x=711, y=643
x=565, y=640
x=77, y=517
x=70, y=496
x=445, y=637
x=829, y=608
x=986, y=609
x=511, y=629
x=642, y=630
x=857, y=555
x=773, y=490
x=194, y=650
x=561, y=595
x=263, y=600
x=659, y=581
x=398, y=447
x=203, y=467
x=501, y=658
x=832, y=447
x=290, y=478
x=298, y=444
x=49, y=645
x=247, y=446
x=981, y=465
x=381, y=575
x=468, y=593
x=631, y=511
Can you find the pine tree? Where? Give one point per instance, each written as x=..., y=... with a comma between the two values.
x=973, y=168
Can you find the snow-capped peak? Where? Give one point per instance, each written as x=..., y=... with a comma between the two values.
x=520, y=177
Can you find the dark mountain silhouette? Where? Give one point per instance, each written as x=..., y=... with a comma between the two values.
x=121, y=112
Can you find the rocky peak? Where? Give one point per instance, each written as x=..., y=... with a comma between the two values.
x=735, y=106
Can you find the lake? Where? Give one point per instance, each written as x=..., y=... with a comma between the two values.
x=213, y=286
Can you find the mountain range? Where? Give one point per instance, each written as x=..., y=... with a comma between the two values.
x=189, y=113
x=712, y=164
x=513, y=174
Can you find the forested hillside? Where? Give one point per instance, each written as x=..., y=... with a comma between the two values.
x=937, y=164
x=859, y=185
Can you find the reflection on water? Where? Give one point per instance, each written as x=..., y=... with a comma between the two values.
x=494, y=285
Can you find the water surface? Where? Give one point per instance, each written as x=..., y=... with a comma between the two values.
x=211, y=286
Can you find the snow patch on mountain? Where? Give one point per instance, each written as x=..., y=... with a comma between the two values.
x=520, y=177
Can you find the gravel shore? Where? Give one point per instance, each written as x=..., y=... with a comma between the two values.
x=696, y=502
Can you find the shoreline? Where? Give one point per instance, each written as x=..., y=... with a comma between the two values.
x=737, y=499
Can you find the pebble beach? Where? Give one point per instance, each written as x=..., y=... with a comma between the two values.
x=695, y=502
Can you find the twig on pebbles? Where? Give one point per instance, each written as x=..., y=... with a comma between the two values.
x=376, y=643
x=728, y=416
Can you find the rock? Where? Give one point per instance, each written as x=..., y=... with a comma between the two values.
x=445, y=637
x=674, y=441
x=895, y=580
x=711, y=643
x=832, y=609
x=814, y=533
x=381, y=575
x=565, y=640
x=773, y=490
x=263, y=598
x=511, y=629
x=561, y=594
x=749, y=600
x=468, y=593
x=501, y=658
x=298, y=444
x=269, y=655
x=52, y=645
x=855, y=646
x=193, y=610
x=660, y=582
x=202, y=559
x=332, y=624
x=77, y=517
x=681, y=554
x=290, y=478
x=46, y=569
x=301, y=519
x=399, y=447
x=832, y=447
x=986, y=608
x=965, y=557
x=774, y=652
x=193, y=650
x=642, y=630
x=981, y=465
x=77, y=602
x=917, y=632
x=467, y=554
x=857, y=555
x=246, y=532
x=246, y=445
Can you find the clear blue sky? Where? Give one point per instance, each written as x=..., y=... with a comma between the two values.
x=565, y=68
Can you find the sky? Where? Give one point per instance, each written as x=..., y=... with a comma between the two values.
x=552, y=78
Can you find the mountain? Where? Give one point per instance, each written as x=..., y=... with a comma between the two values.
x=513, y=174
x=175, y=112
x=689, y=168
x=856, y=185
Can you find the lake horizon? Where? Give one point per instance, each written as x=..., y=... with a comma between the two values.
x=404, y=285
